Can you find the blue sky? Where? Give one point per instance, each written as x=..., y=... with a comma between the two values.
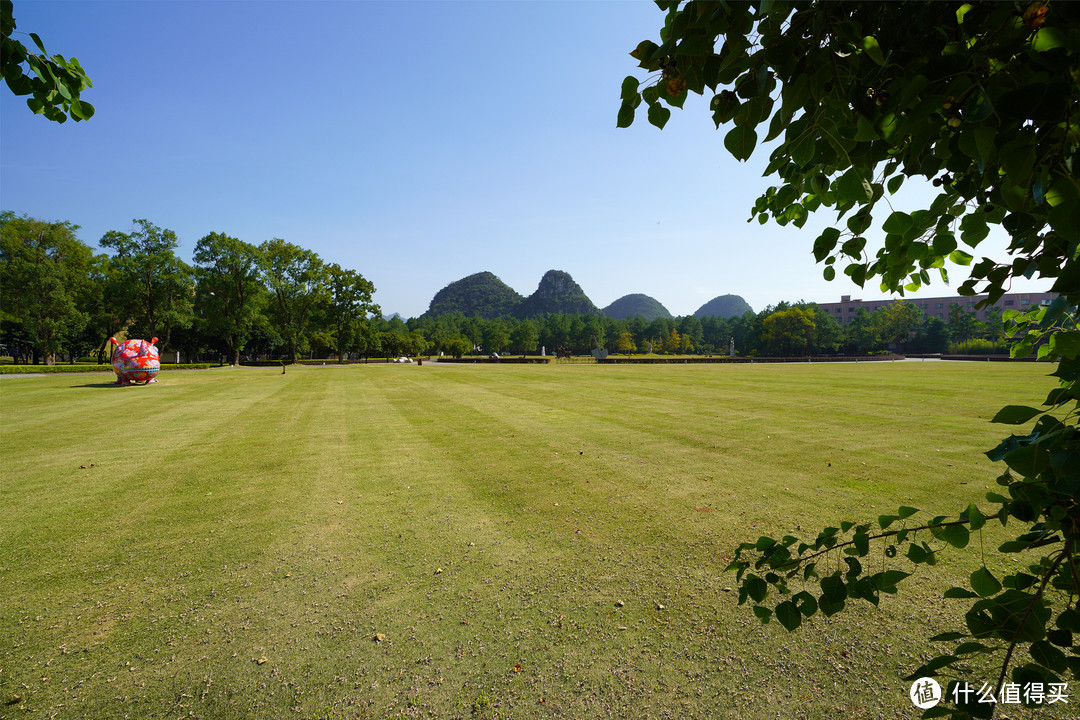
x=415, y=142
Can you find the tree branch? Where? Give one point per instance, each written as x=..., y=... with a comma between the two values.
x=1065, y=551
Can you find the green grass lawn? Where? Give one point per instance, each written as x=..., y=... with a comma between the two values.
x=460, y=541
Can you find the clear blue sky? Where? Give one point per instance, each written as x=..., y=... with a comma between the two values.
x=415, y=142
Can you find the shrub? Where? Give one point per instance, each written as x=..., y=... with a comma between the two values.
x=978, y=347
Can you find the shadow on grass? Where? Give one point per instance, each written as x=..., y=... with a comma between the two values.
x=111, y=384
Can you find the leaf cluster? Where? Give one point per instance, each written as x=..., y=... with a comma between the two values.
x=55, y=83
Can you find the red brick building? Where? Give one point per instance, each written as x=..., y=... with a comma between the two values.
x=936, y=307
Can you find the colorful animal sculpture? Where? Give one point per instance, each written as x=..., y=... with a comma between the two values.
x=135, y=361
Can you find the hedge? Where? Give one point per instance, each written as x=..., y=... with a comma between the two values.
x=518, y=360
x=612, y=360
x=67, y=368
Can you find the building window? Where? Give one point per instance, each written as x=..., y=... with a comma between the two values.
x=1008, y=302
x=939, y=306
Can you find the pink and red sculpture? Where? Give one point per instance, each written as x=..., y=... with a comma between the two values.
x=135, y=361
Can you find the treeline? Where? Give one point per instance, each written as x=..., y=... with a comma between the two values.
x=278, y=300
x=61, y=299
x=782, y=330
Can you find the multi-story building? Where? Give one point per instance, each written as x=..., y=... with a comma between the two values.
x=937, y=307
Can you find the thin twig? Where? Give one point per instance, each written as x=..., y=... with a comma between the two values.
x=804, y=558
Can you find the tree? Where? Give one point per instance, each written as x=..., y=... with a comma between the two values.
x=625, y=344
x=829, y=335
x=901, y=319
x=107, y=315
x=981, y=99
x=154, y=287
x=55, y=83
x=44, y=271
x=349, y=307
x=866, y=332
x=295, y=278
x=673, y=342
x=229, y=289
x=457, y=346
x=524, y=337
x=931, y=337
x=496, y=336
x=789, y=332
x=963, y=325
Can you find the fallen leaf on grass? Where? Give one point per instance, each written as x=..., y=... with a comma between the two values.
x=517, y=668
x=379, y=637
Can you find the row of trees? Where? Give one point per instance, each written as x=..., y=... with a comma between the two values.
x=782, y=330
x=60, y=297
x=278, y=299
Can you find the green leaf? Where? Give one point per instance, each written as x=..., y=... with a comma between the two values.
x=833, y=588
x=763, y=613
x=886, y=581
x=659, y=115
x=629, y=87
x=740, y=142
x=807, y=603
x=626, y=112
x=1069, y=619
x=803, y=150
x=825, y=243
x=756, y=588
x=1016, y=414
x=865, y=131
x=961, y=12
x=37, y=41
x=1065, y=219
x=862, y=544
x=906, y=511
x=975, y=517
x=788, y=615
x=960, y=257
x=870, y=47
x=1043, y=653
x=852, y=187
x=898, y=222
x=956, y=535
x=984, y=583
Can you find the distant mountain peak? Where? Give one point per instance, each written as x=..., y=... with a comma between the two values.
x=635, y=305
x=481, y=293
x=724, y=306
x=557, y=293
